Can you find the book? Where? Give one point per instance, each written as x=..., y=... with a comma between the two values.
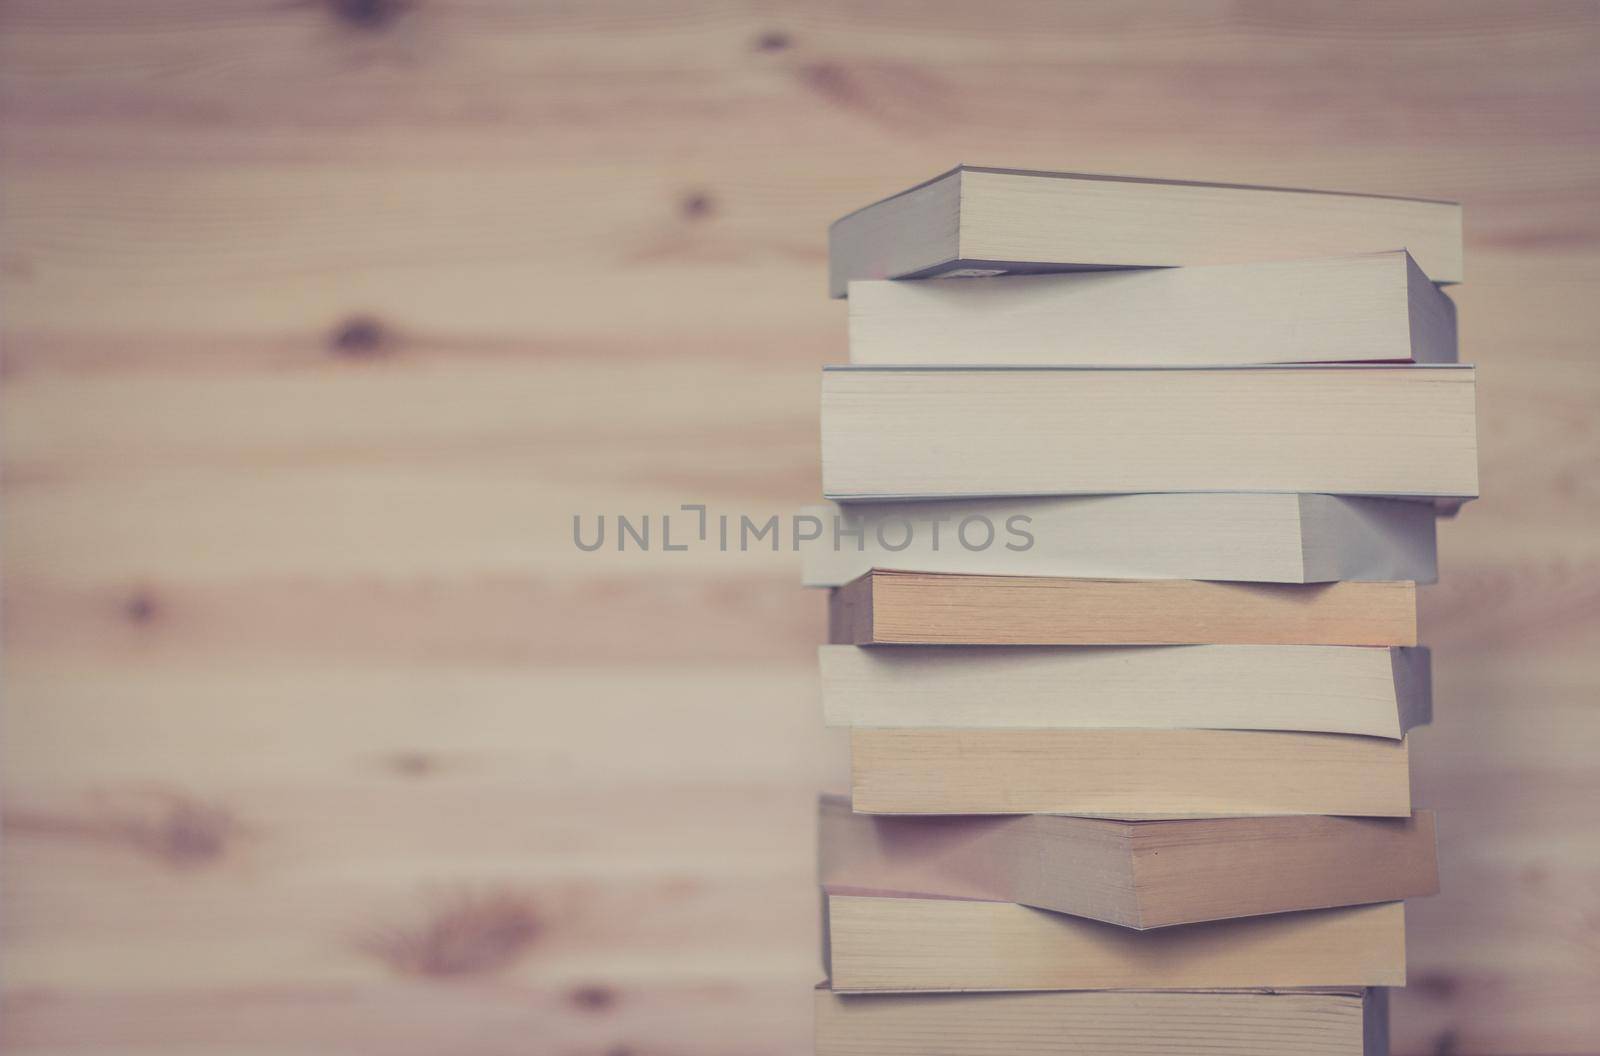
x=1137, y=874
x=1373, y=692
x=1371, y=307
x=974, y=220
x=1347, y=1021
x=915, y=608
x=913, y=944
x=1177, y=773
x=1264, y=537
x=945, y=432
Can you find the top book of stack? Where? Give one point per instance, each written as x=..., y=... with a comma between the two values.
x=982, y=221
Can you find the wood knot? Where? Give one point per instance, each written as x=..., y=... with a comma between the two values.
x=189, y=834
x=140, y=607
x=166, y=826
x=1436, y=986
x=697, y=205
x=371, y=15
x=593, y=997
x=773, y=40
x=413, y=764
x=360, y=337
x=831, y=81
x=468, y=934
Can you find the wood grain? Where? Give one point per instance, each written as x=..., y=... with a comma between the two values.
x=321, y=322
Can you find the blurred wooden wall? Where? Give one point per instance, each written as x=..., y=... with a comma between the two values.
x=322, y=319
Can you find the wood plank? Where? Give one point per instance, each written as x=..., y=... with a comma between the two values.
x=497, y=621
x=319, y=327
x=1309, y=79
x=756, y=1015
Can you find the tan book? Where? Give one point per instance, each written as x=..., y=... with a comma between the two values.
x=1310, y=688
x=987, y=221
x=969, y=432
x=1261, y=537
x=1127, y=772
x=914, y=608
x=1138, y=874
x=1305, y=1022
x=1372, y=307
x=912, y=944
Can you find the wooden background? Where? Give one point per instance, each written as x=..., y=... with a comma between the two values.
x=322, y=319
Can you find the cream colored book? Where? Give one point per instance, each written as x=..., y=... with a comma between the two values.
x=1374, y=692
x=986, y=221
x=914, y=608
x=1372, y=307
x=931, y=433
x=912, y=944
x=1121, y=772
x=1350, y=1021
x=1270, y=538
x=1137, y=874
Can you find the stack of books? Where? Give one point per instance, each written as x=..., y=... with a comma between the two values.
x=1128, y=522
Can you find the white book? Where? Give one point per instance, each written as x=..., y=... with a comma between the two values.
x=1374, y=307
x=985, y=221
x=1271, y=538
x=931, y=432
x=1373, y=692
